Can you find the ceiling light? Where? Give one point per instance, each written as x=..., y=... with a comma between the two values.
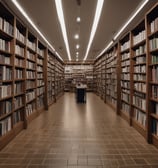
x=19, y=7
x=77, y=53
x=77, y=46
x=59, y=9
x=131, y=18
x=78, y=19
x=124, y=26
x=76, y=36
x=95, y=24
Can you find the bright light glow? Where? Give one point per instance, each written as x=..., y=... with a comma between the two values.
x=77, y=46
x=77, y=53
x=124, y=26
x=76, y=36
x=59, y=9
x=130, y=19
x=19, y=7
x=95, y=24
x=78, y=19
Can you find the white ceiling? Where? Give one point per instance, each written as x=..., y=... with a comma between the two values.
x=114, y=14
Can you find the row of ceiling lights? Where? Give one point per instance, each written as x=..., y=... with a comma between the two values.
x=93, y=30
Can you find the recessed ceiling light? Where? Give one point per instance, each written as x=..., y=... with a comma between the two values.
x=77, y=46
x=76, y=36
x=77, y=53
x=78, y=19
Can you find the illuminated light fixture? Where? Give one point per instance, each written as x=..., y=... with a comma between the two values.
x=124, y=26
x=59, y=9
x=77, y=53
x=77, y=46
x=95, y=24
x=131, y=18
x=76, y=36
x=19, y=7
x=78, y=19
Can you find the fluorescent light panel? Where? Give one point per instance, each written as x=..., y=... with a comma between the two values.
x=124, y=26
x=95, y=24
x=19, y=7
x=59, y=9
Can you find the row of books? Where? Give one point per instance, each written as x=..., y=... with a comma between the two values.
x=6, y=107
x=125, y=107
x=125, y=69
x=4, y=45
x=39, y=75
x=154, y=91
x=5, y=59
x=40, y=52
x=30, y=75
x=140, y=87
x=39, y=69
x=153, y=43
x=19, y=35
x=39, y=61
x=125, y=63
x=40, y=91
x=19, y=50
x=125, y=45
x=31, y=44
x=139, y=102
x=30, y=108
x=140, y=60
x=154, y=58
x=154, y=75
x=18, y=102
x=30, y=84
x=5, y=73
x=125, y=55
x=30, y=95
x=6, y=26
x=40, y=101
x=31, y=55
x=125, y=76
x=30, y=65
x=18, y=74
x=139, y=37
x=5, y=126
x=140, y=69
x=154, y=25
x=155, y=108
x=5, y=91
x=18, y=88
x=40, y=82
x=19, y=62
x=17, y=116
x=125, y=97
x=139, y=77
x=125, y=84
x=140, y=50
x=140, y=117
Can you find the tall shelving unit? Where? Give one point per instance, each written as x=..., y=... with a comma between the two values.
x=25, y=91
x=152, y=47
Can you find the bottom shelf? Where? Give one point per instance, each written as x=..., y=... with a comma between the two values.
x=155, y=140
x=125, y=116
x=4, y=140
x=139, y=128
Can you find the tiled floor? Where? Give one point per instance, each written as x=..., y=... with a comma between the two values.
x=72, y=135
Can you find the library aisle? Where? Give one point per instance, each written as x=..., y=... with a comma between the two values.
x=88, y=135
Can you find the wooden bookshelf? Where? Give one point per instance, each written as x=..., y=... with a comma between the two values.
x=138, y=78
x=24, y=75
x=152, y=39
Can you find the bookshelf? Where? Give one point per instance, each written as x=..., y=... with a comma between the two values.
x=50, y=78
x=111, y=77
x=152, y=39
x=41, y=52
x=138, y=78
x=125, y=57
x=24, y=76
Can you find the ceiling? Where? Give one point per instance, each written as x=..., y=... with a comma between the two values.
x=113, y=16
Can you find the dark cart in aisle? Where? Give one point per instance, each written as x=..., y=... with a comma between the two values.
x=81, y=94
